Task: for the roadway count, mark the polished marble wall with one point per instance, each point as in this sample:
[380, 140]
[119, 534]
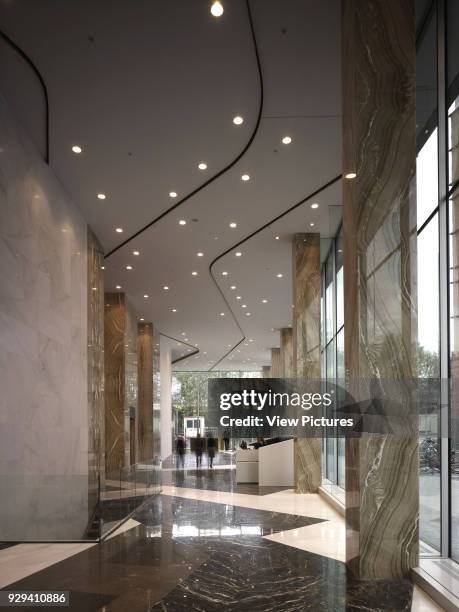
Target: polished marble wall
[96, 415]
[145, 389]
[378, 56]
[43, 347]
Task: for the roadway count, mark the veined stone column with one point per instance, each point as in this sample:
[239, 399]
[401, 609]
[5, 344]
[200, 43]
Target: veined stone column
[145, 390]
[275, 363]
[266, 371]
[286, 352]
[306, 347]
[382, 497]
[120, 357]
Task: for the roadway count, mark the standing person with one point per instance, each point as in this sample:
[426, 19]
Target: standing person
[211, 450]
[199, 447]
[180, 449]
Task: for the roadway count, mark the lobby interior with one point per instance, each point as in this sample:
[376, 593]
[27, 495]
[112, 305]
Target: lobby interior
[245, 189]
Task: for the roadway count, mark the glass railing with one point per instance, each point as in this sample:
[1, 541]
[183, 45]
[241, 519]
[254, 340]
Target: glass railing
[72, 507]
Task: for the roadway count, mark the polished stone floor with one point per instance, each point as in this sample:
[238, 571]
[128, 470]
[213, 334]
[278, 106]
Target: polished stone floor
[194, 548]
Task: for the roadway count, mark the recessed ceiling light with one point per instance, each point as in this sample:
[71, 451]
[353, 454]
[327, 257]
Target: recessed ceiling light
[146, 295]
[118, 286]
[238, 254]
[119, 230]
[186, 340]
[244, 306]
[194, 273]
[101, 196]
[224, 273]
[202, 166]
[222, 314]
[286, 140]
[76, 149]
[217, 9]
[250, 340]
[315, 205]
[248, 314]
[233, 224]
[166, 288]
[277, 237]
[136, 252]
[200, 254]
[172, 194]
[350, 175]
[183, 333]
[233, 287]
[311, 224]
[245, 177]
[128, 267]
[182, 222]
[238, 297]
[103, 267]
[142, 319]
[174, 310]
[279, 275]
[264, 301]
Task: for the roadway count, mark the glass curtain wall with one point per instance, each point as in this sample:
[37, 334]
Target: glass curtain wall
[437, 350]
[332, 349]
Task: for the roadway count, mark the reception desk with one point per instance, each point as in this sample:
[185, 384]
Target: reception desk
[246, 466]
[275, 464]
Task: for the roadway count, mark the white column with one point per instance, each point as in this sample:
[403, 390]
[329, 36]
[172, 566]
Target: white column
[165, 364]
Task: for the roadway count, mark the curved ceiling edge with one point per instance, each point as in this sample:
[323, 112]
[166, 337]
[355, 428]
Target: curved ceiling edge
[194, 352]
[228, 166]
[24, 55]
[254, 233]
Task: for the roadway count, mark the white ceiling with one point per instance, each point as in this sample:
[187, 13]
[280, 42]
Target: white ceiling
[148, 89]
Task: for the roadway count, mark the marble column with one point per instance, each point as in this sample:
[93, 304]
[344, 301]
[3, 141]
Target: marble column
[166, 397]
[306, 305]
[286, 352]
[306, 347]
[382, 497]
[95, 331]
[120, 339]
[145, 390]
[275, 363]
[266, 371]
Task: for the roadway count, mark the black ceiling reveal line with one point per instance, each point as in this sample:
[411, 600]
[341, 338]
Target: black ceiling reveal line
[24, 56]
[195, 350]
[227, 167]
[254, 233]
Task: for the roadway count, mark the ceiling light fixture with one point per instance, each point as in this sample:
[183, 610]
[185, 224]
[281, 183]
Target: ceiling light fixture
[244, 306]
[142, 319]
[200, 254]
[166, 288]
[101, 196]
[136, 253]
[238, 120]
[222, 314]
[202, 166]
[264, 301]
[146, 295]
[238, 254]
[311, 224]
[248, 314]
[182, 222]
[238, 297]
[233, 287]
[118, 286]
[225, 273]
[194, 273]
[315, 205]
[350, 175]
[119, 230]
[128, 267]
[76, 149]
[233, 224]
[174, 310]
[172, 194]
[277, 237]
[217, 9]
[279, 275]
[245, 177]
[286, 140]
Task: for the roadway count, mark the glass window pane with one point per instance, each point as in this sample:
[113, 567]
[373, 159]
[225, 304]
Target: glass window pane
[339, 283]
[329, 306]
[427, 178]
